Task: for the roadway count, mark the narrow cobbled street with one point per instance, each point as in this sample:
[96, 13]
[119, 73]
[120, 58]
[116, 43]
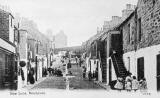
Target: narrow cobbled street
[76, 82]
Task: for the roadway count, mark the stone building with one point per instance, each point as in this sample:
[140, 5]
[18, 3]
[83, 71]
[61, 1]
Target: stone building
[141, 52]
[100, 46]
[8, 69]
[126, 12]
[138, 45]
[140, 39]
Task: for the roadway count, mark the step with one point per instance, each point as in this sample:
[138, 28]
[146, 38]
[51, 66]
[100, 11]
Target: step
[122, 72]
[117, 61]
[104, 66]
[121, 67]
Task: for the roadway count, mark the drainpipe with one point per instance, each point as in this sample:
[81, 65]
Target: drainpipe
[135, 42]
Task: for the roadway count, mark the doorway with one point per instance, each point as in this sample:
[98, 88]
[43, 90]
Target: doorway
[110, 71]
[158, 72]
[140, 68]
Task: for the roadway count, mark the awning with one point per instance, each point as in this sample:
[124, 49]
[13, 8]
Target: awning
[6, 46]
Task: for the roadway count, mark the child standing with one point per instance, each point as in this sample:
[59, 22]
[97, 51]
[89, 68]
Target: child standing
[119, 84]
[143, 85]
[135, 84]
[128, 85]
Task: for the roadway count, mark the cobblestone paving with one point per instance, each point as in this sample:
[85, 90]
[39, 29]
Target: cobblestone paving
[78, 82]
[51, 82]
[75, 83]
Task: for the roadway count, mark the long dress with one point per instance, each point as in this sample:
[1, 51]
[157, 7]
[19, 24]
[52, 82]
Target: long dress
[135, 84]
[128, 85]
[119, 85]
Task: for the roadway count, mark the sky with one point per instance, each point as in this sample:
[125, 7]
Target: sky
[78, 19]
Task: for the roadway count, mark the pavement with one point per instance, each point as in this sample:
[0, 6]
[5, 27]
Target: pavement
[30, 86]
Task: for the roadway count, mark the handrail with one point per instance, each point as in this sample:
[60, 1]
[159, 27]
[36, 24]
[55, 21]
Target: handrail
[116, 63]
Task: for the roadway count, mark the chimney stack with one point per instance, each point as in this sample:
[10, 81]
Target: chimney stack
[129, 9]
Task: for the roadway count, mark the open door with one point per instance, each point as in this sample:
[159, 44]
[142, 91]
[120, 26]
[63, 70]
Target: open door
[158, 72]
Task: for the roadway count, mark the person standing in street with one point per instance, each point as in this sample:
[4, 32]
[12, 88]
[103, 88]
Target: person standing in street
[30, 76]
[128, 85]
[84, 72]
[90, 75]
[76, 61]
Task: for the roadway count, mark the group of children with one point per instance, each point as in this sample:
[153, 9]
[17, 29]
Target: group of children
[131, 83]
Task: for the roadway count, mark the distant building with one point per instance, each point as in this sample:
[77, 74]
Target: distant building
[60, 40]
[49, 34]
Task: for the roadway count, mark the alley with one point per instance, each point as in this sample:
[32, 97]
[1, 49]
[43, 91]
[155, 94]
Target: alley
[76, 82]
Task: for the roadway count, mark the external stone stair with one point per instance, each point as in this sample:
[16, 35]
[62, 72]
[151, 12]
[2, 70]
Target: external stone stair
[118, 64]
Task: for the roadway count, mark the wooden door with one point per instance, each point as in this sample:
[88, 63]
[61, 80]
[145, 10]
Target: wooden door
[140, 68]
[158, 72]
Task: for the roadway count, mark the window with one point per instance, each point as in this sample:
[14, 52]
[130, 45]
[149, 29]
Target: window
[11, 22]
[139, 29]
[129, 35]
[128, 63]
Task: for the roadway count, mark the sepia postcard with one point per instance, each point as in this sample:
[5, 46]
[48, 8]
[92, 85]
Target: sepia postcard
[80, 48]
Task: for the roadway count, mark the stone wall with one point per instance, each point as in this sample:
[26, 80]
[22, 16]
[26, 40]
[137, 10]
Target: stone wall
[129, 45]
[126, 12]
[149, 12]
[110, 24]
[4, 25]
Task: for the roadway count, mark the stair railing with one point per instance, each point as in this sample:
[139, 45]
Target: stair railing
[115, 61]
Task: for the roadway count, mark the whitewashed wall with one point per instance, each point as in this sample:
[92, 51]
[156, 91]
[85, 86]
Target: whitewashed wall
[150, 64]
